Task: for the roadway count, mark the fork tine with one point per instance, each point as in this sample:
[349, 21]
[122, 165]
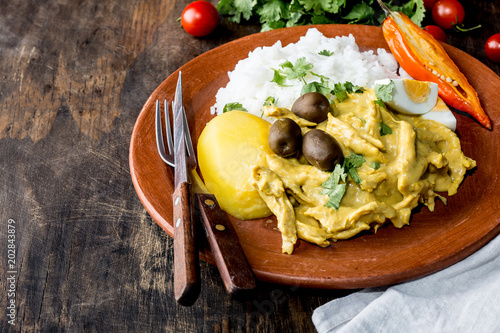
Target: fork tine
[170, 141]
[189, 142]
[167, 158]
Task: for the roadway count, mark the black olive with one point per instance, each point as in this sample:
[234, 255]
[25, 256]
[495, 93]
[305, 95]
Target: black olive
[285, 137]
[321, 150]
[312, 106]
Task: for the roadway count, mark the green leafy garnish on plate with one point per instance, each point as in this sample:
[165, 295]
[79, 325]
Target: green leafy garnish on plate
[333, 188]
[233, 106]
[326, 53]
[291, 71]
[335, 185]
[384, 129]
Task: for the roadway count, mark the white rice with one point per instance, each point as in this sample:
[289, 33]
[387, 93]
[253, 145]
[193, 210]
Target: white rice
[250, 81]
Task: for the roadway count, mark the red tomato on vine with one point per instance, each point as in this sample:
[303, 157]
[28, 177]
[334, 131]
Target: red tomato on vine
[492, 48]
[448, 13]
[200, 18]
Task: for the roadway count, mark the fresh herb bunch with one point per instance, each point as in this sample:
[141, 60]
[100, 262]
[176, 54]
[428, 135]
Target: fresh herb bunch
[273, 14]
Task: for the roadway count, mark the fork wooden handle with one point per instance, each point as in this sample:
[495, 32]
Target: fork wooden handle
[228, 254]
[186, 258]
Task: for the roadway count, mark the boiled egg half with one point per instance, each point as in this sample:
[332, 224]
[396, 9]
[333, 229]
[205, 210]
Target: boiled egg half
[411, 96]
[442, 114]
[415, 97]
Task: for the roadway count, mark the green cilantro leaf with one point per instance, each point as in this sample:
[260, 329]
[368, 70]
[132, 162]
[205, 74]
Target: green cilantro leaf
[291, 71]
[351, 88]
[270, 101]
[326, 53]
[352, 162]
[315, 87]
[340, 91]
[286, 64]
[333, 6]
[297, 70]
[361, 13]
[333, 188]
[322, 77]
[235, 9]
[312, 5]
[279, 78]
[354, 175]
[384, 129]
[272, 11]
[379, 102]
[233, 106]
[415, 10]
[375, 165]
[384, 91]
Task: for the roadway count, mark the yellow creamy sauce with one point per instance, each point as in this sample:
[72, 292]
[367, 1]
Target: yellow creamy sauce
[402, 169]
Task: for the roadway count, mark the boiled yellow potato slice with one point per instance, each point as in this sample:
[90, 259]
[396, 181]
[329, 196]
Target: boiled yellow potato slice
[228, 147]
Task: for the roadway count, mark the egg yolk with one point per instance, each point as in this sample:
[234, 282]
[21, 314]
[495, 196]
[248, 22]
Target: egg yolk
[417, 91]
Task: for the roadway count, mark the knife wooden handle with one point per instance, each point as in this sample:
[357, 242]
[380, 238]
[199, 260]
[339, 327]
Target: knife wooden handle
[229, 257]
[186, 257]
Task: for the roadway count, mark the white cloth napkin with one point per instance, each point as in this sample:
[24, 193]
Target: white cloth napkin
[464, 297]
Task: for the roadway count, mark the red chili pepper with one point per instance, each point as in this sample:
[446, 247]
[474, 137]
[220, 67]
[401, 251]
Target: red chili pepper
[423, 58]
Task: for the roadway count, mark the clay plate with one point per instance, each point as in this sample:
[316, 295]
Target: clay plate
[432, 242]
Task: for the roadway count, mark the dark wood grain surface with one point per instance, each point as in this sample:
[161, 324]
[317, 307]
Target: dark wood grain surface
[73, 78]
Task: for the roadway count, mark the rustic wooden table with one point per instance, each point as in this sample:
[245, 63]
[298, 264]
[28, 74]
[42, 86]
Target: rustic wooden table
[73, 78]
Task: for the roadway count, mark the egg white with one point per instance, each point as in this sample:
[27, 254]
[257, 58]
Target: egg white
[441, 113]
[433, 108]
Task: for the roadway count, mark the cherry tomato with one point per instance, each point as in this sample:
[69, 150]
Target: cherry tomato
[200, 18]
[429, 3]
[446, 12]
[436, 32]
[492, 48]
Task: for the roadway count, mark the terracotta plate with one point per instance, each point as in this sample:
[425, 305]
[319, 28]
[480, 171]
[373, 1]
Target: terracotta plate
[432, 242]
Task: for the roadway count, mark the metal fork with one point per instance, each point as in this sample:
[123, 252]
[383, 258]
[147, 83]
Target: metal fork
[169, 157]
[186, 266]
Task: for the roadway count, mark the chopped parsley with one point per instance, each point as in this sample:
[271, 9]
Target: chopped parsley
[340, 91]
[384, 129]
[379, 102]
[291, 71]
[351, 88]
[375, 165]
[279, 78]
[314, 86]
[384, 93]
[333, 186]
[352, 162]
[327, 87]
[270, 101]
[326, 53]
[233, 106]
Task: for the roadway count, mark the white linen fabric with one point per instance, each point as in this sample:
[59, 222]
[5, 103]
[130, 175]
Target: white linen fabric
[464, 297]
